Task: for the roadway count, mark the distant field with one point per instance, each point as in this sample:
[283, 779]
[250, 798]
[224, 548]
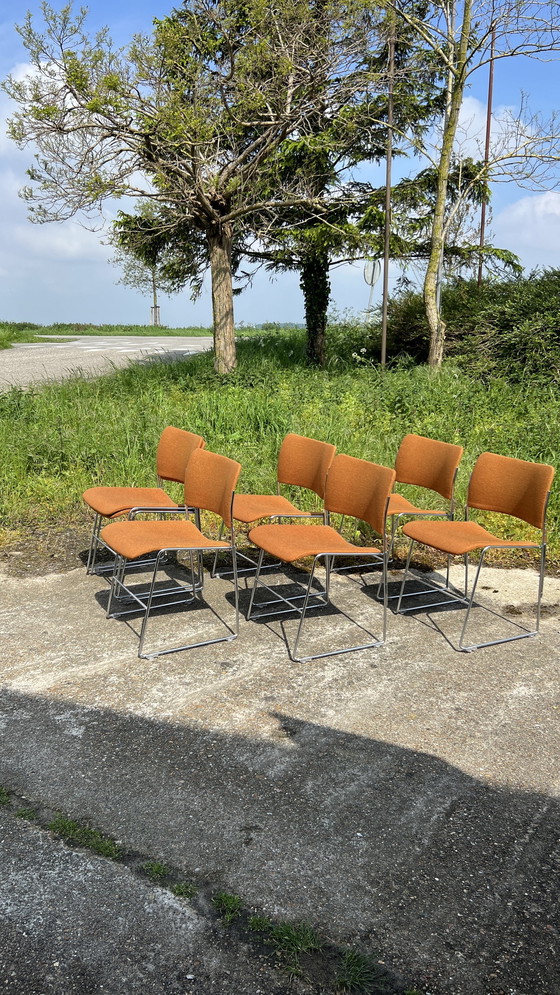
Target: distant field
[21, 331]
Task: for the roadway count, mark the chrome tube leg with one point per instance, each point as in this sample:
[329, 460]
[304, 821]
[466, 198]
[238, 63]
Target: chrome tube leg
[470, 601]
[92, 554]
[304, 608]
[213, 568]
[388, 554]
[112, 586]
[405, 575]
[541, 585]
[466, 575]
[328, 570]
[255, 583]
[191, 563]
[235, 585]
[393, 533]
[119, 574]
[385, 593]
[148, 605]
[448, 569]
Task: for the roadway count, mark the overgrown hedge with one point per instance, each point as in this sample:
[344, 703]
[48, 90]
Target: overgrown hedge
[508, 327]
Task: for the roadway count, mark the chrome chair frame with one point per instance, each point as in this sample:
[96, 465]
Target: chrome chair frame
[97, 542]
[468, 601]
[323, 595]
[145, 601]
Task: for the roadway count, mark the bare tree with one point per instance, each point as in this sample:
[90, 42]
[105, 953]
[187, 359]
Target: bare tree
[459, 36]
[189, 116]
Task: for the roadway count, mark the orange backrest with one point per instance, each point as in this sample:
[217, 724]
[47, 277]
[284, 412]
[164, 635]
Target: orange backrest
[511, 486]
[305, 462]
[174, 451]
[428, 463]
[360, 489]
[210, 481]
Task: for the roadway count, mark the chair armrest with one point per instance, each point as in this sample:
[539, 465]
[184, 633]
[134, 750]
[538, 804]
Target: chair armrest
[166, 510]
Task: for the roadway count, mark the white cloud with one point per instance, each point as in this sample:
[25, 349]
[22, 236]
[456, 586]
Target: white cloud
[531, 226]
[471, 131]
[68, 242]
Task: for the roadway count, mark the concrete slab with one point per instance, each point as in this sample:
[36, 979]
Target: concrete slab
[404, 798]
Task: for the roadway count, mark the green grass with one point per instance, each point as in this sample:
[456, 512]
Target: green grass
[56, 440]
[26, 813]
[289, 941]
[17, 331]
[4, 796]
[155, 870]
[184, 889]
[78, 833]
[228, 907]
[358, 973]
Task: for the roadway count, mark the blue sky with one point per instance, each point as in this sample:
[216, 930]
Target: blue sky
[57, 272]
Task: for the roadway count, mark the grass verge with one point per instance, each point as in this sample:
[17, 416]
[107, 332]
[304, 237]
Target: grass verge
[59, 439]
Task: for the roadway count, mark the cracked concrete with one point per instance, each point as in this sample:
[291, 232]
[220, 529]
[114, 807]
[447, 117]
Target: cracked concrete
[403, 798]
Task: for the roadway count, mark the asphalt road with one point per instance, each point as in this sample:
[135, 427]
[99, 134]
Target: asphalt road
[28, 363]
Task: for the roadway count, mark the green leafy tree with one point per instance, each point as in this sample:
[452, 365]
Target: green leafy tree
[414, 199]
[140, 251]
[188, 117]
[324, 158]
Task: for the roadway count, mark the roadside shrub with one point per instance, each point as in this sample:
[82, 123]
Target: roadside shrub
[508, 327]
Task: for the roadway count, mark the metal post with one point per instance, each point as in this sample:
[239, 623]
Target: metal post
[389, 161]
[487, 149]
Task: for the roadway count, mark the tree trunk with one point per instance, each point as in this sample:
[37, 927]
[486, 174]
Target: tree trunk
[315, 284]
[219, 244]
[455, 98]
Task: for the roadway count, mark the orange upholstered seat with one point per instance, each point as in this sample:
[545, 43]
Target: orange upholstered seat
[209, 485]
[354, 488]
[249, 508]
[110, 502]
[294, 542]
[456, 538]
[138, 538]
[499, 484]
[173, 453]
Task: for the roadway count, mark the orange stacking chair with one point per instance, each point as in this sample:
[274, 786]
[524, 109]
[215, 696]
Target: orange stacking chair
[500, 484]
[210, 480]
[355, 488]
[426, 463]
[173, 453]
[302, 462]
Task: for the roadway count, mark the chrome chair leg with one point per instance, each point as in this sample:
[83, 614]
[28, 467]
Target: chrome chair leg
[148, 606]
[94, 544]
[304, 608]
[405, 574]
[255, 583]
